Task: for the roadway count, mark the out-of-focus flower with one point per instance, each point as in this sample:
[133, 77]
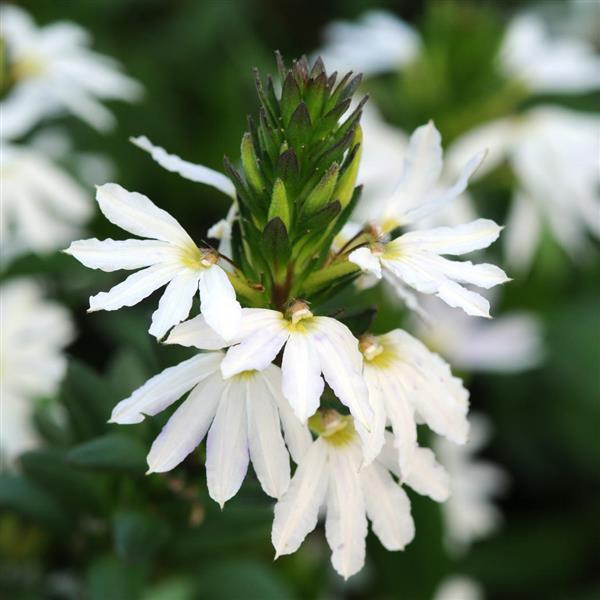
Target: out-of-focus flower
[332, 474]
[469, 513]
[379, 42]
[33, 336]
[42, 207]
[50, 70]
[243, 415]
[167, 256]
[554, 154]
[509, 343]
[459, 587]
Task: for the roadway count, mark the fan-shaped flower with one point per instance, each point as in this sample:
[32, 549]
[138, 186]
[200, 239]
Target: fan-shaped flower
[167, 255]
[242, 418]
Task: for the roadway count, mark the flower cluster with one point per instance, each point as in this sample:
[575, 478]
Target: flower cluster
[276, 375]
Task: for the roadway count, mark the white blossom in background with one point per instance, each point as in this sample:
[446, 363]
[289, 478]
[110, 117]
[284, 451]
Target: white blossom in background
[510, 343]
[52, 70]
[42, 206]
[470, 513]
[331, 474]
[459, 587]
[167, 256]
[242, 418]
[33, 336]
[379, 42]
[554, 153]
[415, 259]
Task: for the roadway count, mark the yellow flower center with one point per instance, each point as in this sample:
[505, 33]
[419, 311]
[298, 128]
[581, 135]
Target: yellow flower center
[376, 352]
[334, 428]
[298, 316]
[192, 257]
[28, 66]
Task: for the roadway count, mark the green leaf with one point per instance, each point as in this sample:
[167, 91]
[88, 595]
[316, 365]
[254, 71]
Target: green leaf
[109, 578]
[279, 203]
[299, 129]
[137, 536]
[321, 219]
[345, 187]
[323, 191]
[276, 243]
[111, 452]
[287, 166]
[250, 164]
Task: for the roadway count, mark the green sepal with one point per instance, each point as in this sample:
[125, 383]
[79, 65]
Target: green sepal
[279, 204]
[321, 219]
[251, 164]
[314, 96]
[323, 191]
[290, 97]
[299, 129]
[347, 180]
[248, 201]
[287, 167]
[276, 243]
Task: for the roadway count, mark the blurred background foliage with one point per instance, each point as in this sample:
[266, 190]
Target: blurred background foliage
[100, 529]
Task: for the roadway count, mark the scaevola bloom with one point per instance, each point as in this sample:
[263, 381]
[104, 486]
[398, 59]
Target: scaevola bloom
[166, 256]
[415, 259]
[407, 385]
[33, 336]
[241, 417]
[42, 206]
[331, 474]
[51, 69]
[314, 346]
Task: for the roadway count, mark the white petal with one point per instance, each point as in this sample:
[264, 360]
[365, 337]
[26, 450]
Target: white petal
[265, 334]
[187, 426]
[482, 275]
[218, 304]
[340, 359]
[112, 255]
[459, 239]
[297, 435]
[523, 229]
[163, 389]
[197, 333]
[427, 477]
[366, 260]
[297, 511]
[388, 507]
[227, 444]
[191, 171]
[176, 302]
[135, 288]
[268, 453]
[372, 440]
[302, 383]
[346, 521]
[137, 214]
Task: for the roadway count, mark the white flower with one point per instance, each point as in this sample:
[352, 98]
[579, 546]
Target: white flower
[243, 416]
[167, 256]
[554, 154]
[33, 336]
[469, 513]
[565, 64]
[52, 70]
[459, 587]
[331, 473]
[42, 207]
[313, 346]
[379, 42]
[509, 343]
[409, 384]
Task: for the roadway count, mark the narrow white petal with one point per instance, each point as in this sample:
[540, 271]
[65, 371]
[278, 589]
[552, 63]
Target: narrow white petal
[346, 521]
[163, 389]
[366, 260]
[302, 384]
[176, 302]
[455, 295]
[268, 453]
[137, 214]
[482, 275]
[197, 333]
[227, 444]
[388, 507]
[191, 171]
[112, 255]
[427, 477]
[523, 229]
[297, 435]
[372, 440]
[218, 304]
[135, 288]
[187, 426]
[297, 511]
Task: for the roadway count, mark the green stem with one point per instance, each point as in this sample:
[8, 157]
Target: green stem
[255, 297]
[328, 274]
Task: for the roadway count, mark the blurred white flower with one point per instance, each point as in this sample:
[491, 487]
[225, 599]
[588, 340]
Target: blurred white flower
[33, 335]
[407, 385]
[459, 587]
[509, 343]
[554, 154]
[52, 70]
[42, 207]
[332, 474]
[167, 256]
[379, 42]
[469, 512]
[243, 416]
